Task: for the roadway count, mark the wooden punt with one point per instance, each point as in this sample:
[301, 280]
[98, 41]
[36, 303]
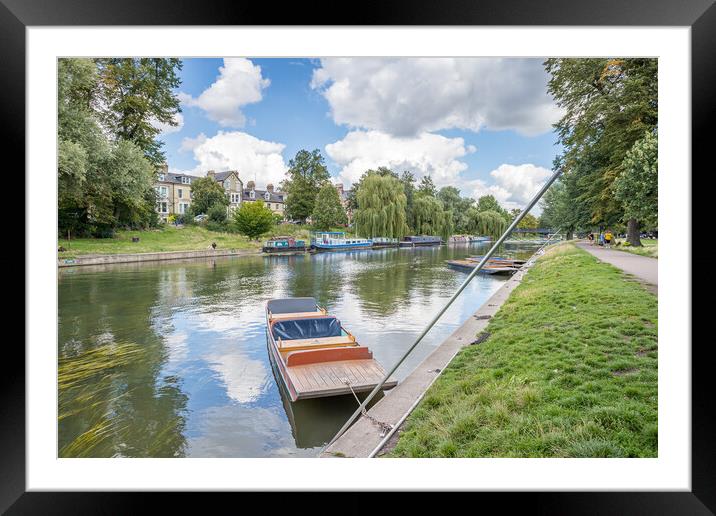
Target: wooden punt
[488, 268]
[315, 356]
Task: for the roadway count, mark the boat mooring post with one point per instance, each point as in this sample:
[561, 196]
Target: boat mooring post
[435, 319]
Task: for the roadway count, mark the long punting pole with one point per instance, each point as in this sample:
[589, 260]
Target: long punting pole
[435, 319]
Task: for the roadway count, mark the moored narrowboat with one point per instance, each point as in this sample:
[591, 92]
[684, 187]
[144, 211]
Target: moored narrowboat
[420, 240]
[380, 242]
[337, 241]
[283, 244]
[315, 355]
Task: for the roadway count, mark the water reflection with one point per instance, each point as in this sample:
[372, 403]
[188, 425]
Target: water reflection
[204, 385]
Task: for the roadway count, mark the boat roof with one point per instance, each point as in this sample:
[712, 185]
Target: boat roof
[291, 304]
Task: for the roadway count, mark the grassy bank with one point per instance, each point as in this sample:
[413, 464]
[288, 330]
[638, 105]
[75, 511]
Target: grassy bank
[650, 247]
[569, 370]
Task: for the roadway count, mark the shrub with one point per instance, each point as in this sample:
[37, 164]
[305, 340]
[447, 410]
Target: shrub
[253, 219]
[217, 213]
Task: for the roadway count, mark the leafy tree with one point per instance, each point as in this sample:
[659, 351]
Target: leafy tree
[489, 203]
[451, 199]
[408, 180]
[382, 202]
[486, 222]
[529, 221]
[637, 186]
[137, 94]
[427, 187]
[563, 209]
[431, 218]
[253, 219]
[102, 183]
[352, 196]
[307, 173]
[217, 213]
[328, 210]
[608, 105]
[206, 192]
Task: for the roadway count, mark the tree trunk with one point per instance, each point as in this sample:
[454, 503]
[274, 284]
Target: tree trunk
[569, 235]
[633, 233]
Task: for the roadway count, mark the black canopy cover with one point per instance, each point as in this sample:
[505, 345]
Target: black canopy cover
[312, 328]
[292, 304]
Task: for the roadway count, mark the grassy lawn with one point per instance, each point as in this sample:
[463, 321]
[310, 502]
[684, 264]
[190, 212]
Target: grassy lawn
[569, 370]
[650, 247]
[169, 238]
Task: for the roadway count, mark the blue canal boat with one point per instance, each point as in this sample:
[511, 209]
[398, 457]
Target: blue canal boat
[284, 244]
[337, 241]
[380, 242]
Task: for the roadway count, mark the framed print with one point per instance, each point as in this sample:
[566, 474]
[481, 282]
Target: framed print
[415, 249]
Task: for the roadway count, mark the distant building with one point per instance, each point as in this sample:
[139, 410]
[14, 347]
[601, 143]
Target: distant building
[174, 193]
[274, 200]
[343, 194]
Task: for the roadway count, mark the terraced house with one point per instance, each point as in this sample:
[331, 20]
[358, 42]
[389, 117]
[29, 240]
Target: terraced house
[274, 200]
[174, 190]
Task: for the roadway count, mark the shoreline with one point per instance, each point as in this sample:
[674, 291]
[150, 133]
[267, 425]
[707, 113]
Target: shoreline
[363, 439]
[109, 259]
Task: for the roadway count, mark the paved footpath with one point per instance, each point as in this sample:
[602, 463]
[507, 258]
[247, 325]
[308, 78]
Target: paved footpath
[644, 268]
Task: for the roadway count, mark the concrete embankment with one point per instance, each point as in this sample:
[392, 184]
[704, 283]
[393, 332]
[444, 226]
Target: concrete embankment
[107, 259]
[364, 437]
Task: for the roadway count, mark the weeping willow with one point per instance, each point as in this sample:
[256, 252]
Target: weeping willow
[381, 208]
[431, 218]
[488, 222]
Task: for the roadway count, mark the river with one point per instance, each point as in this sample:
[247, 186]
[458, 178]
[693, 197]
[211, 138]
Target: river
[201, 383]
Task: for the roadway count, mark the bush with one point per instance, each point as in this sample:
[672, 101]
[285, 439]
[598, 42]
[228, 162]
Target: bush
[217, 213]
[253, 219]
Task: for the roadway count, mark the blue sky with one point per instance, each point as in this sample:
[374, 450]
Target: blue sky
[483, 125]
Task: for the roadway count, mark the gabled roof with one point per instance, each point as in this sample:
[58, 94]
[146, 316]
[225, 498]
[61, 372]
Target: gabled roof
[260, 194]
[220, 176]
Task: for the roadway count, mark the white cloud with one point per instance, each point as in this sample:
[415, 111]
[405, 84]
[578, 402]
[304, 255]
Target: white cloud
[239, 83]
[424, 154]
[165, 128]
[234, 150]
[514, 185]
[408, 96]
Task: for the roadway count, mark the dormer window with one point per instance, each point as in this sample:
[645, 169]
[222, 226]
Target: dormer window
[161, 177]
[252, 194]
[185, 180]
[267, 196]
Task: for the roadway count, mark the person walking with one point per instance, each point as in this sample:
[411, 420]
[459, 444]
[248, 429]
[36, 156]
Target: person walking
[608, 238]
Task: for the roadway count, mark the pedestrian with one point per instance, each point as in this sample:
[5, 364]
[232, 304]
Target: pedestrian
[590, 237]
[608, 237]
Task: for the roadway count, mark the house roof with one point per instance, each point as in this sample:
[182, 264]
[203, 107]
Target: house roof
[260, 194]
[176, 178]
[220, 176]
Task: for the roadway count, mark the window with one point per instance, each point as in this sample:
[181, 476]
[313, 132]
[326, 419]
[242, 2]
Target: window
[267, 196]
[182, 207]
[235, 198]
[161, 191]
[185, 180]
[161, 177]
[179, 192]
[162, 207]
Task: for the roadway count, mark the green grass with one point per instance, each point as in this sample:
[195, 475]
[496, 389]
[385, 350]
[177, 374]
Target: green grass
[569, 370]
[650, 247]
[168, 238]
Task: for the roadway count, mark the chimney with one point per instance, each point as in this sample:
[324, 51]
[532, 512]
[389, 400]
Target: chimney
[269, 187]
[211, 173]
[339, 187]
[164, 168]
[251, 185]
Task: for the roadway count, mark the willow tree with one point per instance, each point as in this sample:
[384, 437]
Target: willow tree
[431, 218]
[381, 207]
[488, 222]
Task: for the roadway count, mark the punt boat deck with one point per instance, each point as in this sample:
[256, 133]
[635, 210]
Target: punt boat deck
[315, 356]
[490, 267]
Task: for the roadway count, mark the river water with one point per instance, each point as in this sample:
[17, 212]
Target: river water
[202, 384]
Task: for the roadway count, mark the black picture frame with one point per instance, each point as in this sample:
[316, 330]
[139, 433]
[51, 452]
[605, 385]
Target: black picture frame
[700, 15]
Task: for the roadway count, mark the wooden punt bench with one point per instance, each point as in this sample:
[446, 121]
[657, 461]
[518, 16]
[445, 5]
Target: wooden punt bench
[295, 315]
[317, 343]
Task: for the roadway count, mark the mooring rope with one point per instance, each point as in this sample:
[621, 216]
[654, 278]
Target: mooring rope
[475, 271]
[384, 427]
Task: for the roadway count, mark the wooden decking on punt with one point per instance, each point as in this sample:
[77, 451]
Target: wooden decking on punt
[326, 378]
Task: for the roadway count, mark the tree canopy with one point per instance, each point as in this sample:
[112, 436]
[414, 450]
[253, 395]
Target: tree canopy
[430, 218]
[307, 173]
[253, 219]
[382, 202]
[205, 193]
[637, 187]
[328, 210]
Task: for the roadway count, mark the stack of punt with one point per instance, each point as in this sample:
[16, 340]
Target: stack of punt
[315, 355]
[492, 266]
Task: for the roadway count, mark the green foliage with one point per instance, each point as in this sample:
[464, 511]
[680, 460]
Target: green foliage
[328, 210]
[489, 203]
[561, 208]
[382, 206]
[487, 222]
[529, 221]
[353, 194]
[427, 187]
[569, 370]
[207, 192]
[137, 94]
[104, 179]
[307, 173]
[430, 218]
[217, 213]
[408, 180]
[253, 219]
[637, 186]
[459, 206]
[608, 105]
